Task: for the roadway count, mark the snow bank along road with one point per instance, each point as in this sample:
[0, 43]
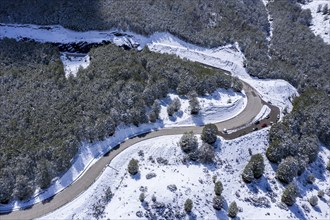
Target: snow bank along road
[242, 124]
[244, 120]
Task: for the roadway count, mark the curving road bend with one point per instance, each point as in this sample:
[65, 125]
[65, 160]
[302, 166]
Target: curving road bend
[241, 123]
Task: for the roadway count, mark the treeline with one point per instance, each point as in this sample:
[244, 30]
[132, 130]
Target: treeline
[303, 59]
[44, 116]
[210, 23]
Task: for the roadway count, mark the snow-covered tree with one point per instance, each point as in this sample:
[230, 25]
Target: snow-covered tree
[209, 133]
[188, 142]
[290, 194]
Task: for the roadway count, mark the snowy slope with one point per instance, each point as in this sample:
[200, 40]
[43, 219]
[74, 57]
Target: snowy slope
[219, 106]
[194, 181]
[320, 22]
[230, 58]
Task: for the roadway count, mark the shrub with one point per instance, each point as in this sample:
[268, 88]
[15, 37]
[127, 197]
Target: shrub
[232, 210]
[153, 198]
[290, 194]
[218, 188]
[142, 197]
[133, 166]
[320, 193]
[188, 142]
[194, 105]
[313, 200]
[206, 153]
[152, 117]
[107, 195]
[247, 174]
[310, 179]
[254, 169]
[209, 133]
[170, 110]
[218, 202]
[188, 205]
[176, 104]
[287, 170]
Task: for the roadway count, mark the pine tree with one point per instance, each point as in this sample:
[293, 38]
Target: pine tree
[232, 210]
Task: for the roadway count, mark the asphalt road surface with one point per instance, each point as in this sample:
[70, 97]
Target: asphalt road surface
[242, 123]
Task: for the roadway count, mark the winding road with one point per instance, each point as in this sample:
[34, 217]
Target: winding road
[242, 123]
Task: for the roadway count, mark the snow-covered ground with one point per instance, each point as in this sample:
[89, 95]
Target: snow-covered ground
[194, 181]
[72, 63]
[219, 106]
[320, 22]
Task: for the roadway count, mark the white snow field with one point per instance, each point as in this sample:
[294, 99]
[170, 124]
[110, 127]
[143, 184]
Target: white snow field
[320, 22]
[219, 106]
[72, 63]
[194, 181]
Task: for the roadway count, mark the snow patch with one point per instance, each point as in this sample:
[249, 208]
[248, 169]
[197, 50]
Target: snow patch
[219, 106]
[320, 22]
[264, 112]
[73, 62]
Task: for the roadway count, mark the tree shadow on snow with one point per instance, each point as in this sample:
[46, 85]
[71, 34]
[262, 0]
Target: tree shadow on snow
[198, 119]
[296, 210]
[136, 176]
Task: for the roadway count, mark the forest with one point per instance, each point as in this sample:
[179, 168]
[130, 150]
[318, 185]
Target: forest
[38, 99]
[44, 117]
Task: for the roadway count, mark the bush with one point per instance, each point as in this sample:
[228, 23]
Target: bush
[313, 200]
[287, 170]
[218, 202]
[194, 105]
[310, 179]
[320, 193]
[176, 104]
[290, 194]
[133, 167]
[188, 205]
[247, 174]
[188, 142]
[254, 169]
[142, 197]
[206, 153]
[170, 110]
[218, 188]
[232, 210]
[209, 133]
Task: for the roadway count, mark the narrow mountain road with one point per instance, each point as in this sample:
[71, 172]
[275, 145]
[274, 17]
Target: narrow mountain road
[241, 123]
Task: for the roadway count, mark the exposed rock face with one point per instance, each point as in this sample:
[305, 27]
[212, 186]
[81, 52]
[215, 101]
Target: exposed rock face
[121, 40]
